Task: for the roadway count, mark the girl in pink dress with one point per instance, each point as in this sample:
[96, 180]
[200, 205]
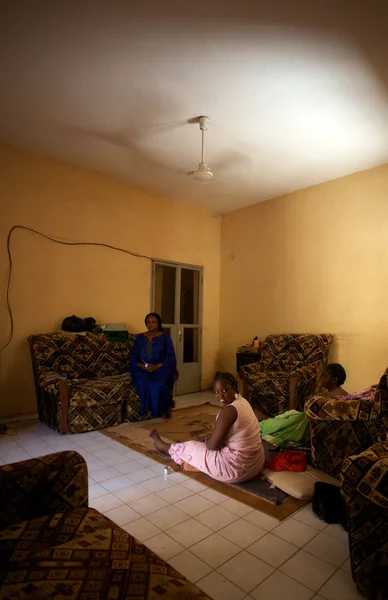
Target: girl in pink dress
[234, 451]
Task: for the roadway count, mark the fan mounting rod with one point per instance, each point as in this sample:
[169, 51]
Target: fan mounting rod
[203, 173]
[203, 123]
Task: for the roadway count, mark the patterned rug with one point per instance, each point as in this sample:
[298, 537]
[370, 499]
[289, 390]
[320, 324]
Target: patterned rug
[191, 423]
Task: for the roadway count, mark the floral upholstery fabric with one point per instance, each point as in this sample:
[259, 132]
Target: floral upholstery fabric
[341, 428]
[67, 550]
[283, 357]
[31, 488]
[82, 382]
[95, 403]
[365, 490]
[80, 356]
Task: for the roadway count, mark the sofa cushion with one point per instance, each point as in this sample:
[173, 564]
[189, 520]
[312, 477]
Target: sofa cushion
[287, 351]
[94, 403]
[82, 554]
[365, 490]
[100, 391]
[298, 485]
[101, 403]
[80, 356]
[52, 483]
[341, 428]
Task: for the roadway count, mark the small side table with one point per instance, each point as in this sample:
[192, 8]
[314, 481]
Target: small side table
[247, 356]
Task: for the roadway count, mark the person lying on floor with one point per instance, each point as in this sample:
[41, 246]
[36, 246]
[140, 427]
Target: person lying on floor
[292, 427]
[334, 377]
[234, 451]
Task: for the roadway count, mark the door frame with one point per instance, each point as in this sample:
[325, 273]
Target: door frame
[173, 326]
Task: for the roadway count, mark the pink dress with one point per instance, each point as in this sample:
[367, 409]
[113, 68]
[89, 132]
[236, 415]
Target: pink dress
[367, 394]
[241, 458]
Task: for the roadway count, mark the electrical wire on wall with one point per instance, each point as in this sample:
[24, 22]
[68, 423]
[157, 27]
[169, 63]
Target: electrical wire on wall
[51, 239]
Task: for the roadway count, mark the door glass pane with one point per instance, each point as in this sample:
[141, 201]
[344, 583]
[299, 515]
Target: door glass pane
[165, 292]
[189, 296]
[167, 330]
[190, 344]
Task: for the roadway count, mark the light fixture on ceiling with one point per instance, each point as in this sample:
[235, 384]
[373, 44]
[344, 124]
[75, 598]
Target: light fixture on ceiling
[203, 174]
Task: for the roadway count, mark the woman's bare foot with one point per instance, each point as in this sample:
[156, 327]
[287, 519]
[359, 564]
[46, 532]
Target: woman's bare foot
[168, 414]
[158, 442]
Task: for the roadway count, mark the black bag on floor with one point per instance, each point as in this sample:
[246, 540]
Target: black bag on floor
[329, 505]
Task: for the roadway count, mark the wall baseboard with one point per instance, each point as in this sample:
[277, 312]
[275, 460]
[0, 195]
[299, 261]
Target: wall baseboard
[18, 418]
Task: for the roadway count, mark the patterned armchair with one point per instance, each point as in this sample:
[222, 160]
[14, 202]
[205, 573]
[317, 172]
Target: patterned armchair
[52, 545]
[82, 382]
[341, 428]
[301, 357]
[365, 490]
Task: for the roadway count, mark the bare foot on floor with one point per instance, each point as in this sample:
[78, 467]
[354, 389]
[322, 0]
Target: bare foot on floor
[168, 414]
[158, 442]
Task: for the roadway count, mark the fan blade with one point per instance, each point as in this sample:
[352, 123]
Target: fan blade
[120, 138]
[162, 127]
[232, 160]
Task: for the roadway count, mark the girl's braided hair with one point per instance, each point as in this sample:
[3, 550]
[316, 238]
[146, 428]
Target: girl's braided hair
[227, 377]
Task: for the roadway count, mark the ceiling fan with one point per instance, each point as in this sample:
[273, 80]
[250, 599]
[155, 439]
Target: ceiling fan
[203, 174]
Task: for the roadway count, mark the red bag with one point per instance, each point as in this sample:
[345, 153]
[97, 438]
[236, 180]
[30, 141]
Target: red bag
[289, 460]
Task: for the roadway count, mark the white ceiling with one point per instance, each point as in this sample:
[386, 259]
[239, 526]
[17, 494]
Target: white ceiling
[296, 94]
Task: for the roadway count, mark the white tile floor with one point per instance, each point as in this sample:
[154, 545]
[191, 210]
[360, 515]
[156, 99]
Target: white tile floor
[229, 550]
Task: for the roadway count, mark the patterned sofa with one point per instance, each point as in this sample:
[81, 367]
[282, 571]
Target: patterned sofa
[82, 382]
[341, 428]
[365, 490]
[284, 357]
[52, 545]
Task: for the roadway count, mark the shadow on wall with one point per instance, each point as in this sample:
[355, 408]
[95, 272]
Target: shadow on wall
[17, 381]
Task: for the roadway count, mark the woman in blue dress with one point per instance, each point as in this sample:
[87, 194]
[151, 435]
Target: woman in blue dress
[153, 368]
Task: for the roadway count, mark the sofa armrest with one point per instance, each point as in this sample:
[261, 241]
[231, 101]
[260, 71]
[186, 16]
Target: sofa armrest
[364, 477]
[32, 488]
[256, 370]
[304, 375]
[51, 381]
[252, 369]
[59, 388]
[303, 384]
[319, 408]
[381, 397]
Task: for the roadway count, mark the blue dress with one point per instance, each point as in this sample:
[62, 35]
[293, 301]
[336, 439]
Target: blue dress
[155, 389]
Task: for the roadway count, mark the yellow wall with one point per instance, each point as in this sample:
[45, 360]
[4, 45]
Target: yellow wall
[50, 281]
[312, 261]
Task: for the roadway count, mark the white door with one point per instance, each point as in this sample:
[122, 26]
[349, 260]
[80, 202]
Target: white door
[177, 297]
